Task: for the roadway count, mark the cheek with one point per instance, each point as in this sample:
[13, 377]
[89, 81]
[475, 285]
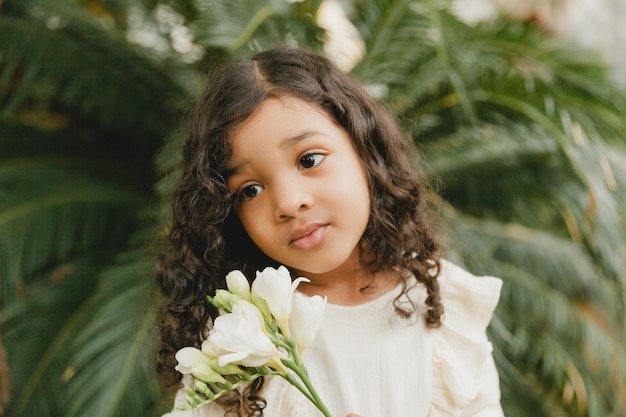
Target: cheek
[360, 185]
[251, 223]
[243, 218]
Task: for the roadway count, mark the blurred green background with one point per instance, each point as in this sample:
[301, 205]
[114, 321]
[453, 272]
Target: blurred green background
[525, 133]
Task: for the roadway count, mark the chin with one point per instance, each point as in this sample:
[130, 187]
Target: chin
[318, 268]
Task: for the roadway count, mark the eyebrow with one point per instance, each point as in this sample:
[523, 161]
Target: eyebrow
[229, 172]
[289, 142]
[292, 141]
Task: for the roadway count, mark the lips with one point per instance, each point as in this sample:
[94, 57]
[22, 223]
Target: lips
[308, 236]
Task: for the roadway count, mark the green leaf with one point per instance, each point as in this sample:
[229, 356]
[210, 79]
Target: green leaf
[50, 210]
[53, 55]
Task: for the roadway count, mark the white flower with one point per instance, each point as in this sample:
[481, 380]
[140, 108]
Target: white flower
[238, 284]
[275, 288]
[306, 317]
[193, 361]
[239, 338]
[208, 348]
[262, 330]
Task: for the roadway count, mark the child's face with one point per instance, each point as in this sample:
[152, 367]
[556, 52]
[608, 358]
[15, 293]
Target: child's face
[301, 189]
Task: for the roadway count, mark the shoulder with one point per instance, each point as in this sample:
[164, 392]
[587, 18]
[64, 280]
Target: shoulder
[468, 300]
[465, 379]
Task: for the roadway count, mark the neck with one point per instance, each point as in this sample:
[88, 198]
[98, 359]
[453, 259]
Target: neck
[349, 285]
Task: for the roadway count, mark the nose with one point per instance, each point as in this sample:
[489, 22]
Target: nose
[291, 200]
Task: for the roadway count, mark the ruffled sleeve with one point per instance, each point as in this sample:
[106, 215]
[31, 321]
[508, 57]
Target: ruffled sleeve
[465, 379]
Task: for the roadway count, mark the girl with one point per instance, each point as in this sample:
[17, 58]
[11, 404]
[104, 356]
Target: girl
[289, 162]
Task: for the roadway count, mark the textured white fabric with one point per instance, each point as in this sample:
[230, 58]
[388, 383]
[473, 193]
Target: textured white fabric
[369, 361]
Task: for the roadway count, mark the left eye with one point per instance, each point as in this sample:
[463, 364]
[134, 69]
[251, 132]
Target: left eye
[310, 160]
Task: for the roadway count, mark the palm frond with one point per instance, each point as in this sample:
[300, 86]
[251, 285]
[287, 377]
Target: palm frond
[111, 354]
[52, 210]
[558, 324]
[237, 27]
[489, 148]
[96, 75]
[101, 362]
[389, 29]
[34, 342]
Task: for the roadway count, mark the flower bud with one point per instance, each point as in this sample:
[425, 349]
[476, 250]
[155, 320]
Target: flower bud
[193, 361]
[306, 318]
[273, 289]
[204, 372]
[224, 300]
[261, 304]
[228, 369]
[201, 386]
[187, 358]
[238, 284]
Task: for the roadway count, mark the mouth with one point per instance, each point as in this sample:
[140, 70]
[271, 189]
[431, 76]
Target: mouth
[308, 236]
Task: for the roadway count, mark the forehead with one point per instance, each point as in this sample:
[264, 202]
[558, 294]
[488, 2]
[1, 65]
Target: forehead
[281, 116]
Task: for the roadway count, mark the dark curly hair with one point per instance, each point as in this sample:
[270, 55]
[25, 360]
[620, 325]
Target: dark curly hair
[206, 239]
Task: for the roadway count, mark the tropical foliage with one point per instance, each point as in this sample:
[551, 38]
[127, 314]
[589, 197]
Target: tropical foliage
[524, 132]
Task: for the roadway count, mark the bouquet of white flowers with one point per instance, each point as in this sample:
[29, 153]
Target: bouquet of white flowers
[263, 330]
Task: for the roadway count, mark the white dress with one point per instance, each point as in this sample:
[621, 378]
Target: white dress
[369, 361]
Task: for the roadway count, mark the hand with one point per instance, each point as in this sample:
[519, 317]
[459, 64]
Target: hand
[353, 415]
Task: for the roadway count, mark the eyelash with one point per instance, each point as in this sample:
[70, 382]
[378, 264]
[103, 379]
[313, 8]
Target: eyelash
[308, 155]
[241, 195]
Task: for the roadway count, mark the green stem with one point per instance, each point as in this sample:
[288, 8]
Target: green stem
[296, 383]
[308, 390]
[216, 391]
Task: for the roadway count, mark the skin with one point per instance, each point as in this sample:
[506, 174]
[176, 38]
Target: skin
[303, 198]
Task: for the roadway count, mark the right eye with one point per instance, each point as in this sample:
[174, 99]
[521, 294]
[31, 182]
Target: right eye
[249, 191]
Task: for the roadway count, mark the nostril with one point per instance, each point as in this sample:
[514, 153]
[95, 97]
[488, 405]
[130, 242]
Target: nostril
[290, 200]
